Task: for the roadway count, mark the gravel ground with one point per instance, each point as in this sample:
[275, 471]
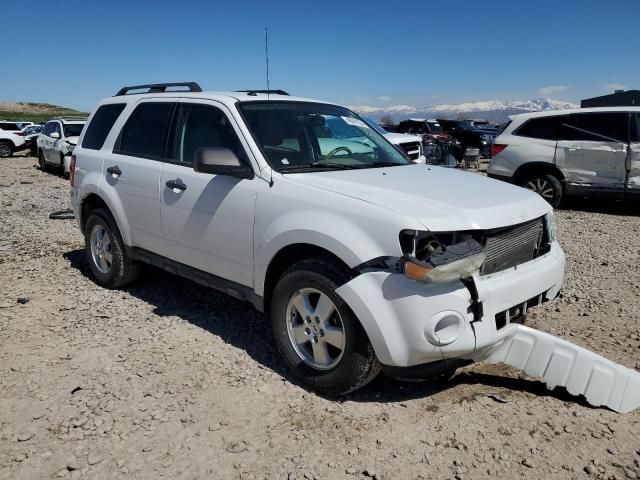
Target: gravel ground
[170, 379]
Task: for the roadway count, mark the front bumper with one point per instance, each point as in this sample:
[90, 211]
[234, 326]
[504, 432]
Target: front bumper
[411, 323]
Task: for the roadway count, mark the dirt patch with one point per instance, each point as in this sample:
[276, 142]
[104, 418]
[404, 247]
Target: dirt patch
[170, 379]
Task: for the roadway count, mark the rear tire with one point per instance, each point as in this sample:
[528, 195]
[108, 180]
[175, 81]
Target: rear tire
[41, 161]
[110, 265]
[546, 185]
[6, 149]
[331, 370]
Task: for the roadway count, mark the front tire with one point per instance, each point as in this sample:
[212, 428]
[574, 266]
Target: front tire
[318, 337]
[547, 186]
[110, 265]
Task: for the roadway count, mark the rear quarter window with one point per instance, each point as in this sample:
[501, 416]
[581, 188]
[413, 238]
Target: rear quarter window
[545, 128]
[101, 125]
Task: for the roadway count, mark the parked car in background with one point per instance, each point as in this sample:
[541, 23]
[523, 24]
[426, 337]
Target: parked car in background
[10, 143]
[361, 259]
[428, 129]
[587, 151]
[469, 136]
[57, 140]
[31, 133]
[410, 145]
[13, 127]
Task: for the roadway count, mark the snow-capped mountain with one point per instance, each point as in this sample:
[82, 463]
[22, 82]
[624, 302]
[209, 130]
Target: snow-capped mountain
[492, 110]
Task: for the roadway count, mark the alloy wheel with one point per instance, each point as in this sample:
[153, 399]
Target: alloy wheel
[542, 187]
[5, 150]
[101, 252]
[315, 329]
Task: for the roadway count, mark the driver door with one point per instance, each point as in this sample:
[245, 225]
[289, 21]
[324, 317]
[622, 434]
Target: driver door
[207, 219]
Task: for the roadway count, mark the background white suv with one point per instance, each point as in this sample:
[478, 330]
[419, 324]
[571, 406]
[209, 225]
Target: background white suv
[362, 259]
[588, 151]
[57, 140]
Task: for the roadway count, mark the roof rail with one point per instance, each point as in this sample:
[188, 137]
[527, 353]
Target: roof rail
[70, 117]
[158, 88]
[255, 92]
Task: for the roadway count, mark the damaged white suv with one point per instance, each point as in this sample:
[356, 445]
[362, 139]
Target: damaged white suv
[362, 260]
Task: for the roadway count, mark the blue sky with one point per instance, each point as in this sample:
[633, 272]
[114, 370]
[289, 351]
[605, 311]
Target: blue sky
[75, 52]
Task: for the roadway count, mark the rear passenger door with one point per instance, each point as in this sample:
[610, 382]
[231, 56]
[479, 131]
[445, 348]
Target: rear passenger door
[592, 151]
[633, 159]
[132, 172]
[208, 221]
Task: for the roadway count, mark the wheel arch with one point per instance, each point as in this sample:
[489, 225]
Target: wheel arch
[288, 256]
[523, 171]
[92, 201]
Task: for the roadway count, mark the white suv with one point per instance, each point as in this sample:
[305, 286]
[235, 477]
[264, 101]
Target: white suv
[10, 143]
[587, 151]
[361, 259]
[57, 140]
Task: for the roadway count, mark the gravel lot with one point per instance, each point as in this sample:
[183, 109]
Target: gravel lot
[170, 379]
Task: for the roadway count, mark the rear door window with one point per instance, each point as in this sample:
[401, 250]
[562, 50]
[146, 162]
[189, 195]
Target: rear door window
[596, 127]
[101, 124]
[145, 132]
[545, 128]
[635, 127]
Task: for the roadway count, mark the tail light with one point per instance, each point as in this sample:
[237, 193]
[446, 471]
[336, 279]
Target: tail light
[496, 148]
[72, 170]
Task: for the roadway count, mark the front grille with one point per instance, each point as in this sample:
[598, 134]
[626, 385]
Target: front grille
[411, 149]
[513, 246]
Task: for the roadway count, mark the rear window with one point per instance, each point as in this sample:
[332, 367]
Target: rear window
[101, 124]
[9, 126]
[545, 128]
[596, 127]
[145, 133]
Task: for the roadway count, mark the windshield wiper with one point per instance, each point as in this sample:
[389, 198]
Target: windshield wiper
[317, 165]
[385, 164]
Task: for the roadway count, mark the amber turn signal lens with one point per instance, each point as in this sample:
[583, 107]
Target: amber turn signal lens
[416, 272]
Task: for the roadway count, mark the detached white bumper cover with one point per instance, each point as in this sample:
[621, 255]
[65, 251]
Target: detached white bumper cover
[560, 363]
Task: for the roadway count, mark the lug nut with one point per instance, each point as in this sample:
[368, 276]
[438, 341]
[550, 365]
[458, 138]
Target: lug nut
[321, 333]
[316, 319]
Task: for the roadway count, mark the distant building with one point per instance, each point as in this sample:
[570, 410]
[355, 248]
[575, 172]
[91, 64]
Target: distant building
[621, 98]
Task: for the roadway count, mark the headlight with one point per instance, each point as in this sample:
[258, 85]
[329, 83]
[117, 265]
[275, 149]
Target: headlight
[441, 257]
[552, 229]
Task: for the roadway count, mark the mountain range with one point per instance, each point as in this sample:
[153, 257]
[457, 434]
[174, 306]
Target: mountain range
[492, 110]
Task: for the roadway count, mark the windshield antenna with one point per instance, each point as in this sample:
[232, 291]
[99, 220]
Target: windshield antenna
[266, 55]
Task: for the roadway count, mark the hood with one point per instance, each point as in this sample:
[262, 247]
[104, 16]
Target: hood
[442, 199]
[398, 138]
[72, 140]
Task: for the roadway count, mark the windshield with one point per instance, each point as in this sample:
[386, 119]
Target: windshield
[375, 126]
[301, 136]
[73, 129]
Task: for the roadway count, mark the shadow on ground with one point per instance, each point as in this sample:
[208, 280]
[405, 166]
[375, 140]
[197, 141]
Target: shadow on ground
[240, 325]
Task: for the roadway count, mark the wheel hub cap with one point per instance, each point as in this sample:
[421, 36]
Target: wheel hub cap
[315, 329]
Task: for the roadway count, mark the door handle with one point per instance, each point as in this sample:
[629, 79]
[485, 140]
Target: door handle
[176, 184]
[114, 171]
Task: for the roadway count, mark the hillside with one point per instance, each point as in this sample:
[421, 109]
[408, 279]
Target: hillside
[33, 112]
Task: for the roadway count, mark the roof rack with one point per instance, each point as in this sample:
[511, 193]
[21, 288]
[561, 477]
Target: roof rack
[255, 92]
[158, 88]
[70, 117]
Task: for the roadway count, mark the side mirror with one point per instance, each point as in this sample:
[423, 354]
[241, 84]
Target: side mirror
[220, 161]
[54, 135]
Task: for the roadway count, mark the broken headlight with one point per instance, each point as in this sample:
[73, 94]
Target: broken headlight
[439, 257]
[552, 229]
